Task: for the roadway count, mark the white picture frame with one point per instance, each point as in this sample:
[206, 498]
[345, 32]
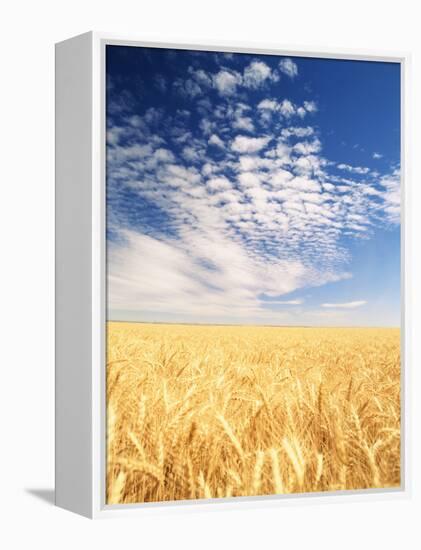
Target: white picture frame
[81, 280]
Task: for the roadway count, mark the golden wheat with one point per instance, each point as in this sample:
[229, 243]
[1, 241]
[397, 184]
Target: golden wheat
[211, 411]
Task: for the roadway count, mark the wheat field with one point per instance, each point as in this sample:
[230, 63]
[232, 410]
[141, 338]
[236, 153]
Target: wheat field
[220, 411]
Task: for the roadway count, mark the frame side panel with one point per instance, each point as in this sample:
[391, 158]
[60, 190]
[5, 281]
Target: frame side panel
[73, 81]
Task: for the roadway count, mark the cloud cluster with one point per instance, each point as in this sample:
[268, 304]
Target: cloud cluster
[207, 275]
[226, 81]
[285, 108]
[225, 216]
[391, 183]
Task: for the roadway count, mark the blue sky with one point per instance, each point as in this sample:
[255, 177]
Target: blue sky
[252, 189]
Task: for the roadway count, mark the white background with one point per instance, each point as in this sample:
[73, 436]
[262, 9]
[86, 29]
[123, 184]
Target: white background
[28, 32]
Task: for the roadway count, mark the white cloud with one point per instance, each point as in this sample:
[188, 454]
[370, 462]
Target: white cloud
[297, 131]
[288, 67]
[113, 135]
[305, 184]
[163, 155]
[310, 106]
[207, 126]
[249, 179]
[307, 147]
[392, 196]
[226, 82]
[269, 104]
[377, 156]
[187, 88]
[286, 108]
[219, 184]
[255, 74]
[243, 123]
[204, 275]
[244, 144]
[354, 169]
[201, 76]
[190, 154]
[216, 140]
[249, 162]
[283, 153]
[301, 112]
[346, 305]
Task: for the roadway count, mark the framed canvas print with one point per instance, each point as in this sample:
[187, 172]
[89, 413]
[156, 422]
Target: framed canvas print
[230, 275]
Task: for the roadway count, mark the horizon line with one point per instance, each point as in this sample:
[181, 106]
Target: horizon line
[247, 324]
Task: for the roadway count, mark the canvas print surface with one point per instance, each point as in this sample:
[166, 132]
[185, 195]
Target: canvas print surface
[253, 274]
